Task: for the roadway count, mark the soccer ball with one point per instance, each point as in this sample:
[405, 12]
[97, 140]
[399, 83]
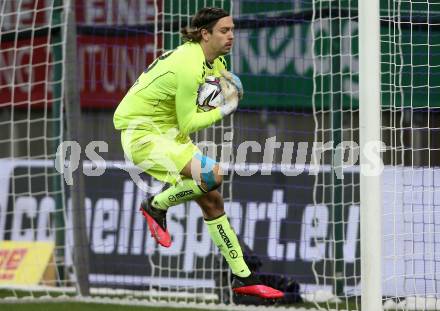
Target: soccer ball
[209, 95]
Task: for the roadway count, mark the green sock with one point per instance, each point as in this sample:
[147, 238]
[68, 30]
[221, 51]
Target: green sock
[184, 191]
[225, 238]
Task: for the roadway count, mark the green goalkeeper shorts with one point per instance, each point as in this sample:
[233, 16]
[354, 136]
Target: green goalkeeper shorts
[161, 156]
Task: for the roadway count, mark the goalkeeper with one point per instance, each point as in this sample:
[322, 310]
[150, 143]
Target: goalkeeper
[156, 117]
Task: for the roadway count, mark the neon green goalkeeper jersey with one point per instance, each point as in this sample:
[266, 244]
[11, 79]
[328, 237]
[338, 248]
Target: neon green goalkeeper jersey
[165, 94]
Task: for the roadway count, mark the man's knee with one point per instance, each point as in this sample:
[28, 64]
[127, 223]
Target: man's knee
[210, 175]
[218, 176]
[212, 178]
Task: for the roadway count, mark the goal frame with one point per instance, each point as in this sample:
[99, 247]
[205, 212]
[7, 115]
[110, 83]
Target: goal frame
[369, 134]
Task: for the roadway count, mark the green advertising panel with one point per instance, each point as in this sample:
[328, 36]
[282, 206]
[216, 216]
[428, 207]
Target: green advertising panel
[286, 62]
[274, 56]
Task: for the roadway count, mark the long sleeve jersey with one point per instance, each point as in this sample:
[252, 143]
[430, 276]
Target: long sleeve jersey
[165, 94]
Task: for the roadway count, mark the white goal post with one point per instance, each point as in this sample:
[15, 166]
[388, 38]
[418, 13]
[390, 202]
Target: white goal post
[369, 134]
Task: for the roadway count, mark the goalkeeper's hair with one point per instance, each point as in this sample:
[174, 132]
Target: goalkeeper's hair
[205, 18]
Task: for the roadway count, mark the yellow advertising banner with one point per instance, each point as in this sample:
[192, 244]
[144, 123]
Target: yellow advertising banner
[24, 263]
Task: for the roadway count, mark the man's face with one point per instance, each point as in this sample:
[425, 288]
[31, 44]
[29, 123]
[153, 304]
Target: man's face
[222, 36]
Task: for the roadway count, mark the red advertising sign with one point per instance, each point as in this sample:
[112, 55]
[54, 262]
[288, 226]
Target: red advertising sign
[120, 12]
[107, 63]
[108, 66]
[25, 69]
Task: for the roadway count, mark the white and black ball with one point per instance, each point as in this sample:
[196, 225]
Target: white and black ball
[210, 94]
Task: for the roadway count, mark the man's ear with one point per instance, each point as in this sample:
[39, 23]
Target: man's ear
[204, 33]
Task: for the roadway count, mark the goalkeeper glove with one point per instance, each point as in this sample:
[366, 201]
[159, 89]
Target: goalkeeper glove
[232, 91]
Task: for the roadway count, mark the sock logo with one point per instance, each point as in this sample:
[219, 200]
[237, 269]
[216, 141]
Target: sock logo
[224, 236]
[184, 193]
[233, 254]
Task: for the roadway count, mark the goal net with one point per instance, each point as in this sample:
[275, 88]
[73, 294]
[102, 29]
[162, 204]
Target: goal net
[32, 200]
[409, 41]
[292, 192]
[410, 110]
[45, 89]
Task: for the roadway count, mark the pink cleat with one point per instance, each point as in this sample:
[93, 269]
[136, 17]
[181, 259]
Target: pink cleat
[157, 222]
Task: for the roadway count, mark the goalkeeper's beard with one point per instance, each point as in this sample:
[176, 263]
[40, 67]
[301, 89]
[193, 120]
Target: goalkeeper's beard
[226, 51]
